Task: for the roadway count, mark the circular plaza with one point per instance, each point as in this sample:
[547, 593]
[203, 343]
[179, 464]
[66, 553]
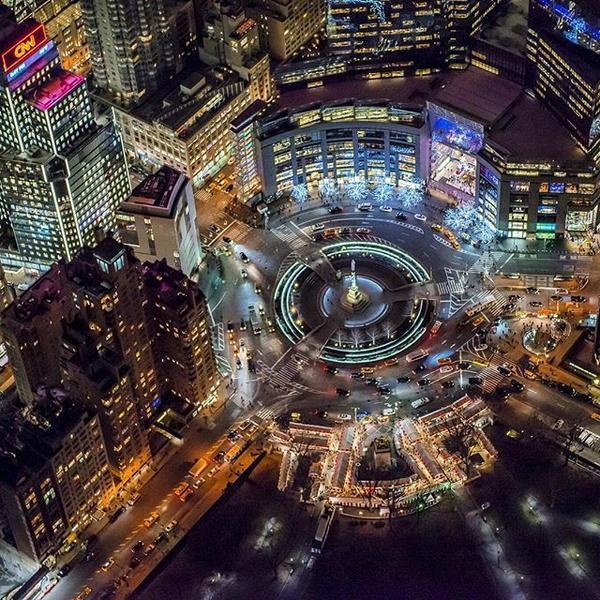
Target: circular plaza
[365, 300]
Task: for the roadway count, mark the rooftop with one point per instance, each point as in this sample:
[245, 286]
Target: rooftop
[509, 28]
[54, 90]
[157, 194]
[500, 105]
[171, 287]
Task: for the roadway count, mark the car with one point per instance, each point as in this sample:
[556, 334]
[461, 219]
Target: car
[384, 390]
[134, 562]
[139, 545]
[229, 188]
[513, 433]
[220, 456]
[517, 386]
[227, 240]
[243, 325]
[371, 380]
[149, 549]
[556, 298]
[480, 347]
[419, 369]
[464, 365]
[420, 217]
[135, 496]
[532, 290]
[365, 207]
[385, 208]
[334, 210]
[423, 382]
[117, 514]
[486, 505]
[437, 227]
[151, 519]
[448, 384]
[344, 417]
[331, 370]
[480, 320]
[322, 414]
[342, 392]
[244, 273]
[400, 216]
[595, 416]
[444, 361]
[107, 564]
[261, 310]
[84, 593]
[447, 369]
[504, 371]
[475, 381]
[161, 537]
[214, 227]
[244, 258]
[363, 230]
[367, 370]
[171, 525]
[198, 482]
[578, 299]
[181, 488]
[258, 288]
[536, 304]
[558, 424]
[189, 492]
[403, 379]
[357, 375]
[503, 391]
[318, 227]
[64, 570]
[567, 390]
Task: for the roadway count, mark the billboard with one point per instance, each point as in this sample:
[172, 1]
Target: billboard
[24, 47]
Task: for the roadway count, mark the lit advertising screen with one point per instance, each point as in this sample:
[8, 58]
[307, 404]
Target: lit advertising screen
[458, 136]
[24, 48]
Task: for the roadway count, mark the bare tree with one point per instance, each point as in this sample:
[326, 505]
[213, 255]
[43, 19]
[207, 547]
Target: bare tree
[460, 442]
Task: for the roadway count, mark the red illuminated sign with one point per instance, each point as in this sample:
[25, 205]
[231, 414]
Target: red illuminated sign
[24, 48]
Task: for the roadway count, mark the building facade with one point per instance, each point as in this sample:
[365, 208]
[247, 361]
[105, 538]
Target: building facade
[159, 221]
[471, 136]
[131, 46]
[54, 472]
[62, 173]
[179, 321]
[286, 25]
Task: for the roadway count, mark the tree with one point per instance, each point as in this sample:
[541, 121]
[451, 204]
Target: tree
[328, 190]
[299, 193]
[383, 192]
[482, 232]
[409, 197]
[460, 442]
[357, 190]
[462, 217]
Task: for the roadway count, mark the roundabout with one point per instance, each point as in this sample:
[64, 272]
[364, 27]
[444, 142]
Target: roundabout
[362, 300]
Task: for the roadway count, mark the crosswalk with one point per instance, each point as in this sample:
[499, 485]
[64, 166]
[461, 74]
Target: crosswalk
[492, 302]
[223, 365]
[294, 239]
[218, 337]
[264, 414]
[492, 377]
[450, 287]
[281, 378]
[487, 262]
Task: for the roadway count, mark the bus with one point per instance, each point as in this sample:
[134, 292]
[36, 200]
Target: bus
[416, 355]
[435, 327]
[325, 520]
[198, 467]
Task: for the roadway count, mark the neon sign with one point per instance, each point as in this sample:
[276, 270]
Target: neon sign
[24, 48]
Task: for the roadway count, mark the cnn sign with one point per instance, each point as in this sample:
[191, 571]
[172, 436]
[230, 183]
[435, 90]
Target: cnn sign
[24, 48]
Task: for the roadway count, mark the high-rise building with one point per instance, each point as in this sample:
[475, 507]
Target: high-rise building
[286, 25]
[54, 471]
[158, 220]
[117, 334]
[564, 50]
[131, 46]
[179, 320]
[62, 173]
[64, 25]
[186, 125]
[405, 37]
[101, 380]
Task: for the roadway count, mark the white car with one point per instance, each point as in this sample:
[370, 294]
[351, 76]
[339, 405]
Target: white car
[318, 227]
[365, 206]
[447, 369]
[171, 526]
[364, 230]
[420, 217]
[481, 347]
[345, 417]
[386, 209]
